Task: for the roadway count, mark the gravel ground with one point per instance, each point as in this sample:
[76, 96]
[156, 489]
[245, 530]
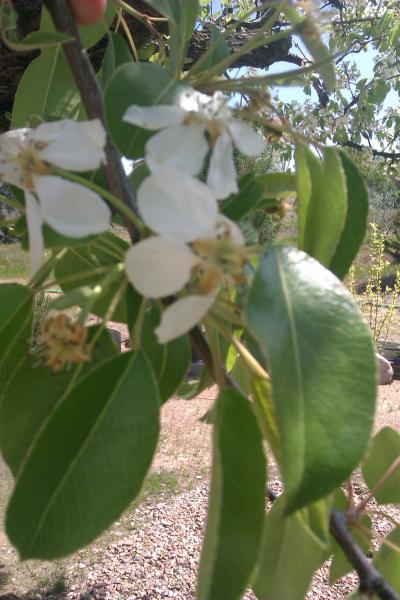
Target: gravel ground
[153, 553]
[160, 560]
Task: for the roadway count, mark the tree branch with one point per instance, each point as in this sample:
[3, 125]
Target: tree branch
[389, 155]
[370, 578]
[92, 99]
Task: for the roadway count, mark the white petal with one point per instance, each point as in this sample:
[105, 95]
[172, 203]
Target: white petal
[176, 206]
[221, 175]
[182, 316]
[11, 144]
[35, 222]
[76, 146]
[154, 117]
[183, 147]
[158, 267]
[245, 138]
[70, 208]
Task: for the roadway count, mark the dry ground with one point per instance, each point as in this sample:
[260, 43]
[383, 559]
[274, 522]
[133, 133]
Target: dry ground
[152, 551]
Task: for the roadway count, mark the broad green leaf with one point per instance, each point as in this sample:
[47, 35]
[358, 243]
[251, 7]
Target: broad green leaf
[46, 88]
[192, 388]
[278, 185]
[89, 461]
[387, 560]
[384, 454]
[340, 566]
[169, 361]
[144, 84]
[236, 504]
[31, 391]
[304, 186]
[327, 209]
[16, 303]
[265, 411]
[290, 555]
[246, 201]
[321, 361]
[118, 53]
[355, 226]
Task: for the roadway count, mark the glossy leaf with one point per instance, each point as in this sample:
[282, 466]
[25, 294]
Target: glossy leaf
[89, 461]
[31, 391]
[145, 84]
[290, 555]
[355, 226]
[320, 357]
[118, 53]
[384, 454]
[327, 209]
[16, 303]
[236, 505]
[246, 201]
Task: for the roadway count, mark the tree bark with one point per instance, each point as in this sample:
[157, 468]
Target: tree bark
[13, 65]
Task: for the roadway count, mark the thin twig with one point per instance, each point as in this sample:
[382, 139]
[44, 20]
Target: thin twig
[92, 99]
[370, 579]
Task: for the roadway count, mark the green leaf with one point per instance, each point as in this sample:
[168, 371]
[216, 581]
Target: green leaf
[321, 361]
[31, 391]
[118, 53]
[340, 566]
[290, 555]
[384, 453]
[327, 209]
[304, 186]
[278, 185]
[246, 201]
[46, 88]
[144, 84]
[236, 505]
[356, 223]
[89, 461]
[387, 560]
[16, 303]
[182, 16]
[169, 361]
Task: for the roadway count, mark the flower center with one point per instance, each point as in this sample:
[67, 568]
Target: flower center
[222, 259]
[31, 163]
[64, 342]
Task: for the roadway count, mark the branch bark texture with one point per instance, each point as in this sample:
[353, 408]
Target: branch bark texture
[92, 98]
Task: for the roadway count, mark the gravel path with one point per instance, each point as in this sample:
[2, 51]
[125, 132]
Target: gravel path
[160, 559]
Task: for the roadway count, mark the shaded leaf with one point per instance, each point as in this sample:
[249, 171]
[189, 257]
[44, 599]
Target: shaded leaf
[387, 560]
[236, 505]
[290, 555]
[355, 226]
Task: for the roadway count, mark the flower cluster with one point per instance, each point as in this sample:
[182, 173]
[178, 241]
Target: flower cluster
[64, 342]
[28, 158]
[195, 246]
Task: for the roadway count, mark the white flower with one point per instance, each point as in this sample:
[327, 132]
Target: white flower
[195, 244]
[26, 159]
[192, 125]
